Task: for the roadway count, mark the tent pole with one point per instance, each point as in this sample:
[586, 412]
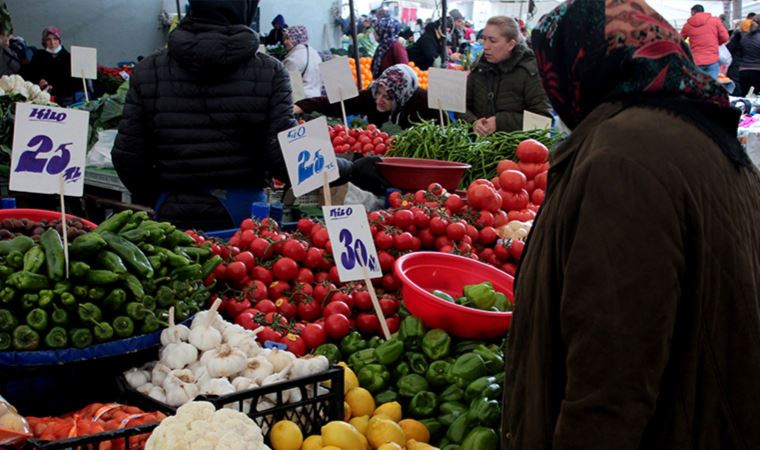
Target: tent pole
[444, 37]
[352, 18]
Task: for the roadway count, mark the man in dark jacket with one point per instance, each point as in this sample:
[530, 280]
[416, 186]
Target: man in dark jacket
[199, 132]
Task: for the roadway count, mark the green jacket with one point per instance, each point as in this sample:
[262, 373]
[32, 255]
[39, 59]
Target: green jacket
[516, 87]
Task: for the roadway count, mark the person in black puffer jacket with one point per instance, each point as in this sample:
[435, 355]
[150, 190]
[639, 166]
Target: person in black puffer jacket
[429, 45]
[198, 137]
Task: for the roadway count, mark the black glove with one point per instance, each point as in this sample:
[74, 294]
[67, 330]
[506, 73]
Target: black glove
[365, 175]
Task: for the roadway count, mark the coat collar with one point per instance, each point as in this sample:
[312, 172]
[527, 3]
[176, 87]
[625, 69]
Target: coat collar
[520, 56]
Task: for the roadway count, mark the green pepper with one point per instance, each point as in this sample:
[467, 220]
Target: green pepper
[155, 235]
[209, 266]
[46, 298]
[361, 359]
[115, 223]
[89, 312]
[37, 319]
[129, 253]
[111, 261]
[443, 295]
[79, 269]
[389, 351]
[103, 331]
[494, 361]
[386, 397]
[352, 343]
[155, 262]
[502, 303]
[182, 311]
[179, 238]
[6, 341]
[463, 347]
[411, 332]
[374, 377]
[135, 221]
[466, 369]
[408, 385]
[87, 245]
[403, 311]
[452, 393]
[80, 337]
[165, 296]
[29, 301]
[464, 301]
[62, 286]
[448, 419]
[59, 316]
[374, 342]
[81, 292]
[480, 438]
[417, 362]
[435, 428]
[436, 344]
[449, 446]
[330, 351]
[151, 324]
[149, 302]
[34, 258]
[15, 260]
[5, 271]
[191, 272]
[7, 295]
[7, 320]
[123, 327]
[436, 373]
[20, 244]
[53, 245]
[96, 293]
[481, 295]
[423, 404]
[401, 369]
[134, 286]
[148, 249]
[57, 338]
[176, 261]
[102, 277]
[457, 408]
[484, 412]
[458, 429]
[483, 387]
[115, 299]
[68, 299]
[25, 338]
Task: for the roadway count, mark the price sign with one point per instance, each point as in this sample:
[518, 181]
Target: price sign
[447, 90]
[309, 155]
[48, 143]
[353, 247]
[339, 82]
[84, 62]
[296, 83]
[532, 121]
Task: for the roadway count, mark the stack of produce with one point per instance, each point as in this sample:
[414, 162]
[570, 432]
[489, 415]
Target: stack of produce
[365, 69]
[453, 388]
[422, 75]
[369, 141]
[10, 228]
[123, 278]
[13, 89]
[113, 77]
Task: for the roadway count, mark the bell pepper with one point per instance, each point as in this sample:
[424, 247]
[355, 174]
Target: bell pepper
[483, 387]
[164, 296]
[352, 343]
[57, 338]
[361, 359]
[403, 311]
[411, 332]
[329, 351]
[502, 303]
[417, 362]
[132, 256]
[28, 281]
[102, 277]
[37, 319]
[29, 301]
[458, 429]
[80, 337]
[182, 311]
[123, 327]
[103, 331]
[435, 428]
[15, 260]
[25, 338]
[79, 269]
[448, 419]
[155, 262]
[151, 324]
[88, 312]
[454, 407]
[115, 223]
[401, 369]
[115, 300]
[409, 385]
[466, 368]
[111, 261]
[81, 292]
[386, 397]
[134, 286]
[481, 295]
[179, 238]
[96, 293]
[436, 344]
[87, 245]
[374, 377]
[463, 347]
[68, 299]
[46, 298]
[7, 320]
[7, 295]
[494, 361]
[423, 404]
[450, 446]
[452, 393]
[34, 258]
[149, 302]
[62, 286]
[389, 351]
[20, 244]
[436, 373]
[480, 438]
[443, 295]
[6, 341]
[484, 412]
[148, 249]
[59, 317]
[5, 271]
[53, 245]
[374, 342]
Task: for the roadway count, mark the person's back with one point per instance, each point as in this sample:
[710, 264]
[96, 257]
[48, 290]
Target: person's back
[427, 48]
[705, 33]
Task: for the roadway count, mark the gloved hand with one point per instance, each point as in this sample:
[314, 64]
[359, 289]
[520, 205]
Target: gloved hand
[365, 175]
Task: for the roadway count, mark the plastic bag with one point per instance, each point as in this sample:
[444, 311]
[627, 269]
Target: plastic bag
[725, 56]
[13, 427]
[100, 154]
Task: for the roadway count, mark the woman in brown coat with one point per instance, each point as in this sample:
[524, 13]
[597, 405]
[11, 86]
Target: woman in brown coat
[637, 316]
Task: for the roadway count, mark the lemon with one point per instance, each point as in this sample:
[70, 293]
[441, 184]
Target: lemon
[349, 378]
[416, 430]
[312, 443]
[346, 411]
[392, 409]
[381, 416]
[342, 435]
[360, 401]
[390, 446]
[360, 423]
[411, 444]
[331, 447]
[286, 436]
[383, 431]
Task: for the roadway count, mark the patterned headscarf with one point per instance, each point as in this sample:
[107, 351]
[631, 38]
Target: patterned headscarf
[297, 34]
[590, 51]
[387, 30]
[55, 31]
[400, 83]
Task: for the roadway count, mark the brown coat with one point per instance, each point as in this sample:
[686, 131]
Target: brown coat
[637, 323]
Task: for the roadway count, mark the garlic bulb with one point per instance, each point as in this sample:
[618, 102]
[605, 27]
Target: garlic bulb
[217, 386]
[243, 384]
[276, 378]
[231, 329]
[257, 369]
[280, 359]
[294, 395]
[158, 374]
[145, 388]
[308, 365]
[203, 335]
[245, 341]
[157, 393]
[177, 355]
[174, 333]
[224, 362]
[136, 377]
[180, 387]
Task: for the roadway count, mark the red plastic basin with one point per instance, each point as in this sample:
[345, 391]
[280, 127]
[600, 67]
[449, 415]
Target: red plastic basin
[422, 272]
[411, 174]
[40, 214]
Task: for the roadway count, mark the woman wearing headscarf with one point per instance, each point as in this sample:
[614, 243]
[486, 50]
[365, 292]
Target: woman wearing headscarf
[50, 67]
[395, 97]
[637, 311]
[429, 46]
[303, 59]
[275, 35]
[389, 50]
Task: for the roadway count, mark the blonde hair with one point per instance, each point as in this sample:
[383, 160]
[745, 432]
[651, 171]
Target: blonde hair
[508, 27]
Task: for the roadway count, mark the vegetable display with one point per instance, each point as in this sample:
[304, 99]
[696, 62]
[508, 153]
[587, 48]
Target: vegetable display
[479, 296]
[11, 228]
[369, 141]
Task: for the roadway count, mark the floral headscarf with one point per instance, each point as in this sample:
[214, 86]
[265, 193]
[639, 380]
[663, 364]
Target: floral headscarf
[400, 83]
[387, 30]
[297, 34]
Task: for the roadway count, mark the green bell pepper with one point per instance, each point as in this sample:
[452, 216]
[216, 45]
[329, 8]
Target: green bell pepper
[423, 404]
[25, 338]
[59, 317]
[352, 343]
[134, 286]
[466, 369]
[436, 344]
[386, 397]
[57, 338]
[435, 428]
[5, 271]
[102, 277]
[115, 223]
[46, 298]
[96, 293]
[443, 295]
[191, 272]
[103, 331]
[411, 332]
[6, 341]
[88, 312]
[458, 429]
[111, 261]
[29, 301]
[7, 320]
[484, 412]
[389, 351]
[79, 269]
[155, 262]
[132, 256]
[502, 303]
[452, 393]
[481, 295]
[480, 438]
[62, 286]
[457, 408]
[483, 387]
[436, 373]
[123, 327]
[450, 446]
[176, 261]
[37, 319]
[28, 281]
[411, 384]
[417, 362]
[463, 347]
[81, 292]
[448, 419]
[68, 299]
[87, 245]
[329, 351]
[21, 244]
[34, 258]
[136, 310]
[7, 295]
[374, 377]
[361, 359]
[209, 266]
[164, 296]
[401, 369]
[374, 342]
[115, 300]
[80, 337]
[151, 324]
[494, 361]
[54, 256]
[15, 260]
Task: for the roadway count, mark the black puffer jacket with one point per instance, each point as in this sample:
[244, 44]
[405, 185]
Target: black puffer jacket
[203, 114]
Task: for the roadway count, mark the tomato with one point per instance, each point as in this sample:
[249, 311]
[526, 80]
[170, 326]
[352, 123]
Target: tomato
[456, 231]
[454, 203]
[391, 283]
[256, 290]
[436, 189]
[380, 149]
[367, 323]
[541, 180]
[246, 258]
[509, 267]
[286, 308]
[420, 197]
[247, 224]
[278, 289]
[320, 291]
[394, 199]
[220, 273]
[482, 181]
[247, 318]
[263, 274]
[337, 326]
[512, 180]
[516, 248]
[416, 244]
[260, 248]
[496, 184]
[522, 215]
[246, 237]
[336, 307]
[309, 310]
[442, 241]
[305, 276]
[403, 218]
[487, 236]
[285, 269]
[302, 291]
[500, 218]
[234, 306]
[236, 271]
[295, 344]
[487, 255]
[531, 169]
[537, 197]
[320, 238]
[513, 201]
[393, 323]
[294, 250]
[438, 225]
[362, 300]
[421, 219]
[532, 151]
[266, 306]
[268, 334]
[403, 241]
[313, 257]
[427, 240]
[386, 260]
[501, 251]
[485, 219]
[506, 164]
[314, 335]
[388, 306]
[481, 196]
[446, 249]
[333, 276]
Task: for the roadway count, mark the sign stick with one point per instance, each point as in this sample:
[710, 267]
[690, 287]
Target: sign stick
[343, 110]
[326, 189]
[376, 305]
[64, 227]
[440, 111]
[84, 85]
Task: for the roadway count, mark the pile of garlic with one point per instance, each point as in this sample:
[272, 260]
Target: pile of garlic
[216, 357]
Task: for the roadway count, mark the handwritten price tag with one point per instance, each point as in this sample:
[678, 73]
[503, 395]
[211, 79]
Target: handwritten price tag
[353, 247]
[308, 155]
[48, 143]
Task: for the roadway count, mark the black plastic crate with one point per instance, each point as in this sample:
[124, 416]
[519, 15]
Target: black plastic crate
[310, 413]
[119, 439]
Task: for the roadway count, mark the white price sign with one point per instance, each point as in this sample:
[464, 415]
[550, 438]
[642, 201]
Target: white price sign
[533, 121]
[339, 82]
[309, 155]
[353, 248]
[84, 62]
[296, 83]
[447, 90]
[48, 143]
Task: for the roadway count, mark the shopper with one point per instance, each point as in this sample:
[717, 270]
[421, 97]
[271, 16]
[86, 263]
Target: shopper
[198, 137]
[637, 316]
[13, 53]
[419, 27]
[504, 82]
[705, 34]
[430, 45]
[50, 68]
[389, 50]
[395, 96]
[303, 59]
[275, 34]
[456, 39]
[744, 25]
[749, 51]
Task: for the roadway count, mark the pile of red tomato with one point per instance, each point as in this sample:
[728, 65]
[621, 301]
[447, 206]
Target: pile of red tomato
[369, 141]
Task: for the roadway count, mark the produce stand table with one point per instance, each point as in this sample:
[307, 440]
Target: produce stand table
[107, 179]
